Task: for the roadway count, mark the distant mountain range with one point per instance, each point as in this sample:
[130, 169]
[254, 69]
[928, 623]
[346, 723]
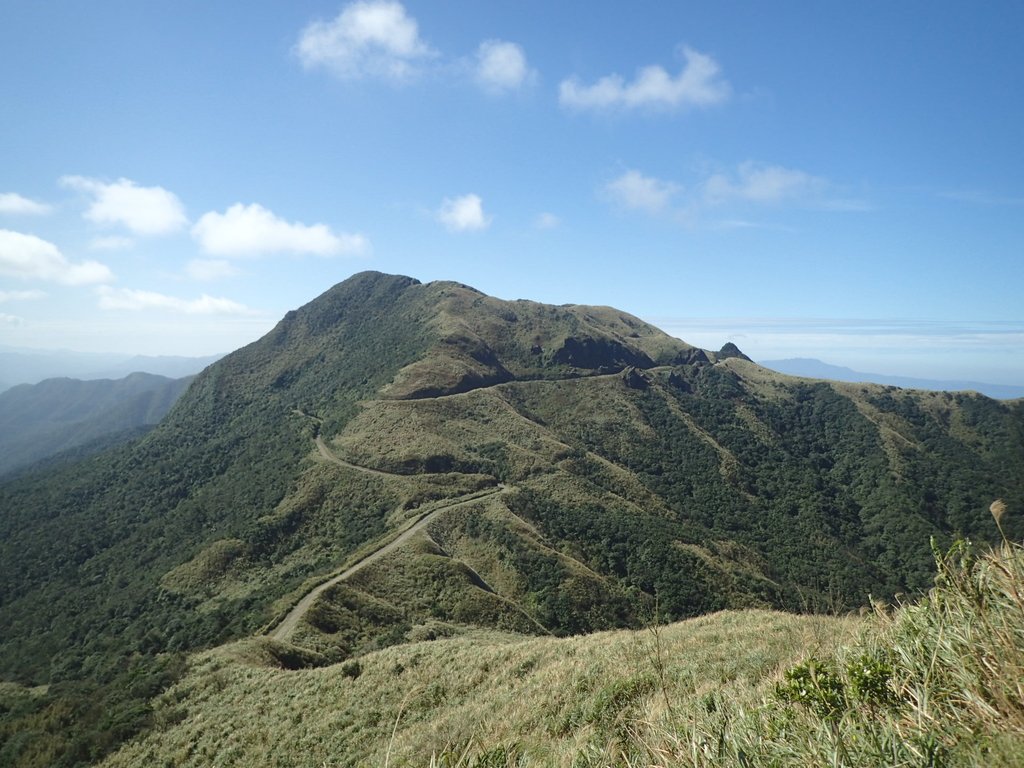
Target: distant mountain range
[30, 366]
[38, 421]
[816, 369]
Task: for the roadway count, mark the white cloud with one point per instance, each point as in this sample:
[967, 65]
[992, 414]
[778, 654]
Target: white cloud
[374, 38]
[6, 296]
[760, 183]
[135, 300]
[547, 221]
[143, 210]
[112, 243]
[244, 230]
[12, 202]
[698, 84]
[11, 321]
[463, 214]
[31, 258]
[501, 66]
[207, 270]
[638, 192]
[749, 185]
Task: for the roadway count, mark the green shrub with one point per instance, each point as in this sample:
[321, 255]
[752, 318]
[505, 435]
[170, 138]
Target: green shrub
[871, 680]
[816, 685]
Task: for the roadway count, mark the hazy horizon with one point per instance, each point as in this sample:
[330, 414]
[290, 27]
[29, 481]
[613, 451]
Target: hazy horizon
[946, 351]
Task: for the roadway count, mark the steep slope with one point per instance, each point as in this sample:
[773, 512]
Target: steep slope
[561, 470]
[55, 415]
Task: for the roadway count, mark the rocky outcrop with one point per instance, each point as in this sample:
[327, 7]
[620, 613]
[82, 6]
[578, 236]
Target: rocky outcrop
[692, 356]
[731, 350]
[635, 379]
[603, 355]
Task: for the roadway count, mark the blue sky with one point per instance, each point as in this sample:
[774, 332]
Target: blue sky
[816, 179]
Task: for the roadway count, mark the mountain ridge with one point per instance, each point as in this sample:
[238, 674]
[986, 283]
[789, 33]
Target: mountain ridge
[646, 479]
[22, 365]
[40, 420]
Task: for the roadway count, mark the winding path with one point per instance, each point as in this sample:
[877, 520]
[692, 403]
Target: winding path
[288, 624]
[326, 453]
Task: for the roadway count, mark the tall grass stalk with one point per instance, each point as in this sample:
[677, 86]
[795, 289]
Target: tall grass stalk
[938, 682]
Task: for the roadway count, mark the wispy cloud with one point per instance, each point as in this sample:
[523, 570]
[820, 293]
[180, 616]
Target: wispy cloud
[208, 270]
[371, 38]
[135, 300]
[635, 191]
[13, 203]
[698, 84]
[463, 214]
[982, 197]
[761, 183]
[28, 257]
[736, 193]
[6, 296]
[501, 66]
[143, 210]
[547, 220]
[111, 243]
[251, 230]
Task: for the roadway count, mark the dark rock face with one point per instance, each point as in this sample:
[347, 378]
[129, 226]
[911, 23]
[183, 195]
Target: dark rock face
[467, 382]
[680, 382]
[599, 354]
[635, 379]
[692, 356]
[731, 350]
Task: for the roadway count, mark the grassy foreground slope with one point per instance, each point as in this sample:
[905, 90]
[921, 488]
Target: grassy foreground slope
[937, 682]
[552, 700]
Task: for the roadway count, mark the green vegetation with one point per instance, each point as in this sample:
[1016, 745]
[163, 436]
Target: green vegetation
[936, 682]
[77, 722]
[641, 480]
[57, 415]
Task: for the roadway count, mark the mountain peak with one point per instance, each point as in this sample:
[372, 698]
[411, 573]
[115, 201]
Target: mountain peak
[731, 350]
[450, 337]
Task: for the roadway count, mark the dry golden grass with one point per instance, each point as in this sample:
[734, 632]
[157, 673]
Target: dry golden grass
[549, 700]
[939, 682]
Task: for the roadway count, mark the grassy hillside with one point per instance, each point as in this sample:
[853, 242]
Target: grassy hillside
[936, 682]
[550, 701]
[566, 469]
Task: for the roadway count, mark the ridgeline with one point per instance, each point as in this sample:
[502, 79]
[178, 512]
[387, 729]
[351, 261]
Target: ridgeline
[577, 470]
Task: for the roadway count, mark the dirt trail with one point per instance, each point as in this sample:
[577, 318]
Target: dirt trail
[283, 630]
[288, 624]
[326, 453]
